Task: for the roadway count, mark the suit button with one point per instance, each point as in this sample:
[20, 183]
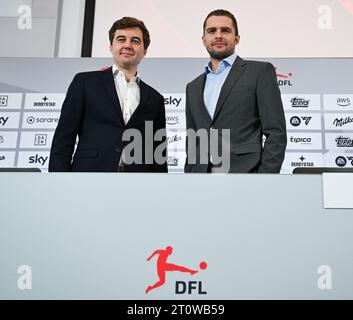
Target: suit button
[118, 150]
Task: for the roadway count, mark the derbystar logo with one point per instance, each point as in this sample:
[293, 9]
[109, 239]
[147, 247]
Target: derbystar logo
[163, 267]
[302, 163]
[283, 79]
[44, 103]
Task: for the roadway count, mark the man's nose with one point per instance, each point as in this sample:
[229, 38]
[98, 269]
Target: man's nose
[128, 44]
[218, 34]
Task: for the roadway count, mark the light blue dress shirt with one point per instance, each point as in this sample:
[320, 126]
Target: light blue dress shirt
[215, 81]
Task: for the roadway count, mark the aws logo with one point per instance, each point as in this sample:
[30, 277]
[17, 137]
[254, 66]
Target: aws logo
[164, 266]
[343, 102]
[172, 120]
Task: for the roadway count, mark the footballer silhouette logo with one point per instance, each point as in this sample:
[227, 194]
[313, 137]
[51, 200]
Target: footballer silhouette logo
[163, 266]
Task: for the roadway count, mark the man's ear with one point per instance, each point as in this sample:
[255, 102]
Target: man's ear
[237, 39]
[203, 40]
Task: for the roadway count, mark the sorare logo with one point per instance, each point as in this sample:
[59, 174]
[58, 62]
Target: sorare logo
[164, 266]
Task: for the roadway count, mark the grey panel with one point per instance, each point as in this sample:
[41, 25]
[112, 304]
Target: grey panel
[9, 8]
[308, 75]
[36, 42]
[45, 8]
[86, 237]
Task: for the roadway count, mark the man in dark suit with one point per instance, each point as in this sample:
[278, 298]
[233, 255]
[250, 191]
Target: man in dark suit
[240, 96]
[100, 106]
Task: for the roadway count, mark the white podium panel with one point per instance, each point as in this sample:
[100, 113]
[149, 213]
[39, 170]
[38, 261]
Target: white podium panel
[88, 236]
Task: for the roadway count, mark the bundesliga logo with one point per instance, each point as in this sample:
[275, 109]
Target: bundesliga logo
[283, 79]
[163, 267]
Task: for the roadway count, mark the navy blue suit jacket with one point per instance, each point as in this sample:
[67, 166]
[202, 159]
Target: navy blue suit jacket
[92, 112]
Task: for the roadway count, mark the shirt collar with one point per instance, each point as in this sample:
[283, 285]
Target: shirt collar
[222, 65]
[116, 71]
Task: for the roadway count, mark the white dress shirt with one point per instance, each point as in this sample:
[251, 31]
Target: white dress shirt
[128, 93]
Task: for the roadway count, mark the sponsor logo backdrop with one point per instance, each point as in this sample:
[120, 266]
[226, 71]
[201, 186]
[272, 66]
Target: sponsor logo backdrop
[317, 98]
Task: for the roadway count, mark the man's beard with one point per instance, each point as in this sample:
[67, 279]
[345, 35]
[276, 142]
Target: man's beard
[220, 55]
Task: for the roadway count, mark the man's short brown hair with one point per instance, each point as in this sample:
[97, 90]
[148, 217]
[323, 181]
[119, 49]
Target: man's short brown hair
[221, 13]
[129, 22]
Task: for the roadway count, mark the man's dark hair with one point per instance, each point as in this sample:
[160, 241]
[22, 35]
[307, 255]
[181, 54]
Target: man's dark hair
[225, 13]
[129, 22]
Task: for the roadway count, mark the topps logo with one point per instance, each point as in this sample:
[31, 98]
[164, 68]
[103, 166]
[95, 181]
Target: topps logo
[300, 102]
[344, 142]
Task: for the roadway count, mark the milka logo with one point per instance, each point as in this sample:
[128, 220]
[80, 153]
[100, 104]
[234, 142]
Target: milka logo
[343, 121]
[174, 138]
[172, 120]
[343, 102]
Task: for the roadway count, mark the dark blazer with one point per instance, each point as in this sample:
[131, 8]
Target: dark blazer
[92, 112]
[250, 106]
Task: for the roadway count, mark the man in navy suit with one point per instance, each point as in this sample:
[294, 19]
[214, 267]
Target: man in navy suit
[101, 105]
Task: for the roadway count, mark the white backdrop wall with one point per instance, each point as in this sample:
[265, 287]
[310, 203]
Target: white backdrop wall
[271, 28]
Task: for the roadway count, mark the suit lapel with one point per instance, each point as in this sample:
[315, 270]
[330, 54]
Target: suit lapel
[109, 85]
[232, 78]
[199, 88]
